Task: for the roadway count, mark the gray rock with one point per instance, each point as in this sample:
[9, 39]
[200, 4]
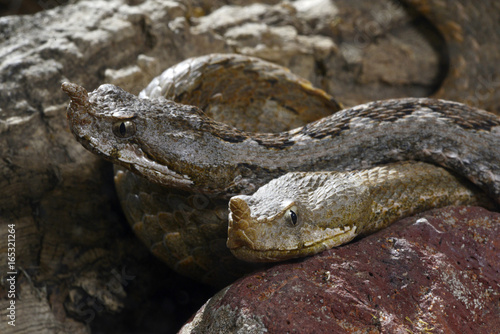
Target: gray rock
[71, 239]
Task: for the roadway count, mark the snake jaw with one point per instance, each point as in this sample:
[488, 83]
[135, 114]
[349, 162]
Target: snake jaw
[336, 237]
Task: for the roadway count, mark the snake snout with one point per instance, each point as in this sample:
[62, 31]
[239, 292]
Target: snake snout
[240, 211]
[239, 221]
[78, 95]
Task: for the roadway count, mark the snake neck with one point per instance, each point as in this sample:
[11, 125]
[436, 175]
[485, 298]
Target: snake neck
[178, 146]
[445, 133]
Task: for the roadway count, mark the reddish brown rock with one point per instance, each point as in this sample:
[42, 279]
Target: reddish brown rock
[433, 273]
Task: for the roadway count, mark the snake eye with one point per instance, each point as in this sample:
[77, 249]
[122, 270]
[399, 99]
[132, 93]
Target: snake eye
[293, 216]
[124, 129]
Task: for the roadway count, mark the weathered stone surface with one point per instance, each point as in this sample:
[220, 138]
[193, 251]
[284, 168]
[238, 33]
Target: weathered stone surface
[437, 272]
[73, 248]
[74, 251]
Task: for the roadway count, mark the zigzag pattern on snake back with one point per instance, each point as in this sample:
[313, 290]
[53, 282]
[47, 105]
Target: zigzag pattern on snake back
[177, 145]
[462, 138]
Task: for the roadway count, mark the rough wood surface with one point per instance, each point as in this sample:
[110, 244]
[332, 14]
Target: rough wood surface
[79, 267]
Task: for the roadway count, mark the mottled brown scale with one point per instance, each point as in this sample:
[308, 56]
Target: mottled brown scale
[190, 233]
[264, 156]
[332, 208]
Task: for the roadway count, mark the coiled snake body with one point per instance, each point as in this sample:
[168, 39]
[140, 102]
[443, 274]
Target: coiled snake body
[207, 161]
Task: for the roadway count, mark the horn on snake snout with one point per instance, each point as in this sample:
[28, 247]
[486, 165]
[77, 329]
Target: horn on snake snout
[239, 216]
[78, 95]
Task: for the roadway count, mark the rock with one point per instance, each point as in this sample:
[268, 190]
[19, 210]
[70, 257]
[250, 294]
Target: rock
[436, 272]
[74, 251]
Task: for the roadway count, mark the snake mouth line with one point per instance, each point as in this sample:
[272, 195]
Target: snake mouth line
[274, 255]
[141, 162]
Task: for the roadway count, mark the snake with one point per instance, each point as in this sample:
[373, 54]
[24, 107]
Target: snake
[203, 161]
[188, 229]
[304, 213]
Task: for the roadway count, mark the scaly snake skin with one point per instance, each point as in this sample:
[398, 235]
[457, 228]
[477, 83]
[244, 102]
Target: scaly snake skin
[188, 230]
[194, 153]
[179, 146]
[304, 213]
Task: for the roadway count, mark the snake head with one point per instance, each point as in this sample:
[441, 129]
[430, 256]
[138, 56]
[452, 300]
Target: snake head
[295, 215]
[146, 136]
[98, 119]
[168, 143]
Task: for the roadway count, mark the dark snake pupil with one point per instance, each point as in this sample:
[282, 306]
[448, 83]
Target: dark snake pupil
[293, 216]
[123, 129]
